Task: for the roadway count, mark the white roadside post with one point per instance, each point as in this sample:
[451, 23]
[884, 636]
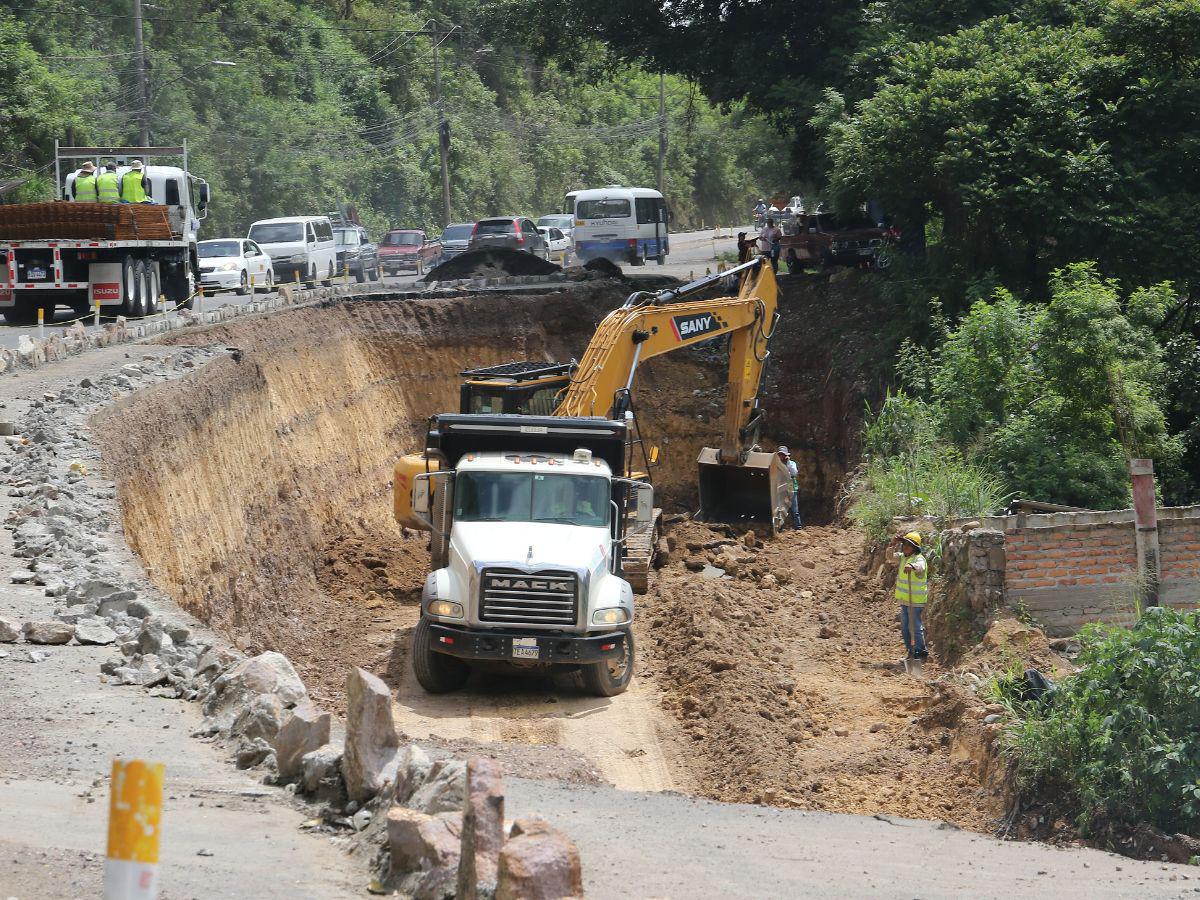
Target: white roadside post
[41, 323]
[96, 312]
[134, 817]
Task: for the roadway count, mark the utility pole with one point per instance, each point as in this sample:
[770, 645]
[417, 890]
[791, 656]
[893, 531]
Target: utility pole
[139, 59]
[443, 127]
[662, 131]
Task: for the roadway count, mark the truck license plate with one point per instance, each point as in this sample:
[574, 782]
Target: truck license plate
[525, 648]
[35, 273]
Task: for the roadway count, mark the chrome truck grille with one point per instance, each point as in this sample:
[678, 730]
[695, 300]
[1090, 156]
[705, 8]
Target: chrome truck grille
[529, 598]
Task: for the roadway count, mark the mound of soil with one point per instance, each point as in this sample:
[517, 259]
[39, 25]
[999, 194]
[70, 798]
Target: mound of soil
[492, 262]
[604, 267]
[785, 672]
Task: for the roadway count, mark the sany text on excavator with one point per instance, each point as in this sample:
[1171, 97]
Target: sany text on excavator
[538, 499]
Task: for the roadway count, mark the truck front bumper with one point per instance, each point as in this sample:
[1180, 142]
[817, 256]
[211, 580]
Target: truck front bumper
[468, 643]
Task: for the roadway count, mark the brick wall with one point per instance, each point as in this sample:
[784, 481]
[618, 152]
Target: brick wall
[1068, 569]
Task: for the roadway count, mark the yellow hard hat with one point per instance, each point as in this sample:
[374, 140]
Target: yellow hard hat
[914, 538]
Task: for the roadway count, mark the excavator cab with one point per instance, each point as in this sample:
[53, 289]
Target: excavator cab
[516, 388]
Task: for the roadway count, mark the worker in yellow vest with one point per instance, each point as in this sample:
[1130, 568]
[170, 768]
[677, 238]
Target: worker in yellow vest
[108, 184]
[83, 188]
[134, 186]
[912, 590]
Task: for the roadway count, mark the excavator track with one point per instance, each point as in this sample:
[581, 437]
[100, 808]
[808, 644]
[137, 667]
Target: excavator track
[639, 555]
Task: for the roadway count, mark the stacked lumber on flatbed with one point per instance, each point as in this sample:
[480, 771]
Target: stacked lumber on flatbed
[83, 221]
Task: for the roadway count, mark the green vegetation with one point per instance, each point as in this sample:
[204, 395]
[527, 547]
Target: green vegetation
[332, 104]
[1048, 402]
[1118, 739]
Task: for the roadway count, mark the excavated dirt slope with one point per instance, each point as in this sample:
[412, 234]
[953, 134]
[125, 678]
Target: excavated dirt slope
[258, 493]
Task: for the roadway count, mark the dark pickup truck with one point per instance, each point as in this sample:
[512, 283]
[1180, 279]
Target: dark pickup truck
[820, 239]
[356, 253]
[408, 248]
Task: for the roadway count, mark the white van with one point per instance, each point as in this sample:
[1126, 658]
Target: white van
[301, 247]
[621, 224]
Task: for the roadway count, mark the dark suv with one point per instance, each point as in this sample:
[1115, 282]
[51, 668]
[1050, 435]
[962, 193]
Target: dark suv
[513, 232]
[356, 251]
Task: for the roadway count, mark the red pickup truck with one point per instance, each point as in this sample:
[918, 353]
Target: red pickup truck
[408, 248]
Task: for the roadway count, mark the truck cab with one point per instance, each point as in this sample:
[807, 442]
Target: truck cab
[529, 524]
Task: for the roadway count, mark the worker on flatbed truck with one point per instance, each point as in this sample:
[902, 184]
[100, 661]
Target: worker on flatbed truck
[133, 184]
[108, 184]
[83, 189]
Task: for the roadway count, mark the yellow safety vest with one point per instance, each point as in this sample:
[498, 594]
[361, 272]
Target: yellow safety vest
[133, 190]
[85, 188]
[107, 185]
[912, 588]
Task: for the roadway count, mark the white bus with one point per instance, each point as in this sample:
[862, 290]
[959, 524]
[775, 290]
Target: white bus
[621, 224]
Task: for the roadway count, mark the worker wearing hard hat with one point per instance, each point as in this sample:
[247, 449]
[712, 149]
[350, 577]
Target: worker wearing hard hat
[83, 188]
[785, 456]
[912, 590]
[133, 185]
[108, 184]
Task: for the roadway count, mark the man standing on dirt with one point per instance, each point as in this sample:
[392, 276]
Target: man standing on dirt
[769, 242]
[912, 590]
[785, 457]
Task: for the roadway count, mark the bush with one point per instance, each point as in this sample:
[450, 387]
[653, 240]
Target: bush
[1121, 741]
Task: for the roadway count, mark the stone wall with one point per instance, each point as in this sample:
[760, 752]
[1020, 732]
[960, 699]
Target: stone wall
[970, 587]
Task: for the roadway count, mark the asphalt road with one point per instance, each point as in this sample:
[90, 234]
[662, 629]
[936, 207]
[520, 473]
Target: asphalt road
[692, 254]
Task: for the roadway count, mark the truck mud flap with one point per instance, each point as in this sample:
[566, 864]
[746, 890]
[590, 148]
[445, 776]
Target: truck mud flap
[755, 491]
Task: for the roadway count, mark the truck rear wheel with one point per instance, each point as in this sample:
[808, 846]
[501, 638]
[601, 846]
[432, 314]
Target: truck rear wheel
[436, 672]
[611, 677]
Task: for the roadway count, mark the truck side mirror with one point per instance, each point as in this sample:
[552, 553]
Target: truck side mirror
[420, 497]
[644, 515]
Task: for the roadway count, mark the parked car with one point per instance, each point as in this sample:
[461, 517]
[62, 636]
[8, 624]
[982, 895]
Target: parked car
[233, 264]
[513, 232]
[356, 253]
[455, 239]
[408, 248]
[557, 243]
[564, 223]
[301, 247]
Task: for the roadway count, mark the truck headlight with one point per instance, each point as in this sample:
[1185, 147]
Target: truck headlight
[614, 615]
[446, 609]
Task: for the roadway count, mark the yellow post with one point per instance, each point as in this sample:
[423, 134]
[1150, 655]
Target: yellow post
[252, 288]
[41, 322]
[200, 298]
[134, 817]
[96, 313]
[346, 271]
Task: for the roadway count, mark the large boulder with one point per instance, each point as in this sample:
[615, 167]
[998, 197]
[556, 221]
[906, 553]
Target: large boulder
[94, 633]
[424, 852]
[305, 730]
[538, 862]
[444, 788]
[267, 673]
[412, 771]
[369, 760]
[320, 772]
[482, 830]
[9, 631]
[260, 719]
[48, 632]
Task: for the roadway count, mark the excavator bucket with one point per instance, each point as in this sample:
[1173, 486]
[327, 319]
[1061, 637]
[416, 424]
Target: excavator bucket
[758, 490]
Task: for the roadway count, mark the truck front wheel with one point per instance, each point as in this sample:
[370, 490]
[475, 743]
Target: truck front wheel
[436, 672]
[611, 677]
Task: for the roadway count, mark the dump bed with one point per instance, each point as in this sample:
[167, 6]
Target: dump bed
[456, 434]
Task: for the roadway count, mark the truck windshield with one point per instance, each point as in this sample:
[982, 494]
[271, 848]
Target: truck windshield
[531, 497]
[277, 232]
[346, 237]
[206, 249]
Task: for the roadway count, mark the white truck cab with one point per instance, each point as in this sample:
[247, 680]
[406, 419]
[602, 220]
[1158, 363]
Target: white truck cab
[528, 545]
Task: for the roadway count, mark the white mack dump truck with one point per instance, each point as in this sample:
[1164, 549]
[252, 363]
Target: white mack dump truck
[529, 517]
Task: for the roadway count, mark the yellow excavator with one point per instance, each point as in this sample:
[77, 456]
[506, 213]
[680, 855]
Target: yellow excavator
[737, 481]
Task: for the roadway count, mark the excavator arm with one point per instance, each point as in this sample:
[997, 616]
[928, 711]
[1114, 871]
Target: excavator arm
[650, 325]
